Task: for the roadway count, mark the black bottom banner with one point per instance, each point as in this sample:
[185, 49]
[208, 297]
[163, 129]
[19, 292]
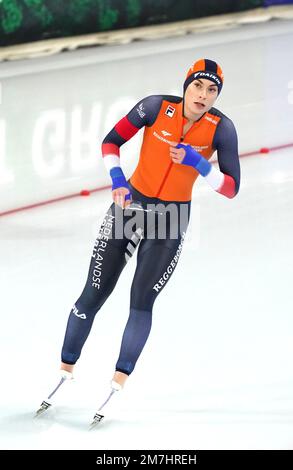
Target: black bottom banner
[213, 459]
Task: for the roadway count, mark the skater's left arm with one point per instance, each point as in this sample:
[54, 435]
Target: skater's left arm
[226, 144]
[225, 181]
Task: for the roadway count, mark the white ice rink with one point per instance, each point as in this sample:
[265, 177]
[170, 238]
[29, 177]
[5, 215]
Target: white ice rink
[216, 372]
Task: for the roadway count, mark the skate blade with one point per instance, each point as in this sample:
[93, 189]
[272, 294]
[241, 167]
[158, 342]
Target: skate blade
[44, 407]
[97, 419]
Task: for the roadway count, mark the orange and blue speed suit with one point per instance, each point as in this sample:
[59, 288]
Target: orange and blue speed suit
[156, 179]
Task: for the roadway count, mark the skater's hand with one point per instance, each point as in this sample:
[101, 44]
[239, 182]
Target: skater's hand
[122, 197]
[185, 154]
[177, 155]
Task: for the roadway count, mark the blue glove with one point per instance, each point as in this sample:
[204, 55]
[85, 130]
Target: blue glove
[119, 180]
[193, 158]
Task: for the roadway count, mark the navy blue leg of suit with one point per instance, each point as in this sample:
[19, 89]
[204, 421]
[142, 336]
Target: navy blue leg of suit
[156, 261]
[143, 295]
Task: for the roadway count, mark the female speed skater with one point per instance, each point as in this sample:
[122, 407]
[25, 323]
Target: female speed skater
[180, 136]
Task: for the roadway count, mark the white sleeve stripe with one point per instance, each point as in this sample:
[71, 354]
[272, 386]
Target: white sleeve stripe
[111, 161]
[215, 178]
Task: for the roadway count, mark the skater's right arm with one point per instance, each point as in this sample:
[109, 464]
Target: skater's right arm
[144, 113]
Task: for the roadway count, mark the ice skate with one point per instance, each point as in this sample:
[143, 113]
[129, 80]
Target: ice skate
[65, 376]
[107, 404]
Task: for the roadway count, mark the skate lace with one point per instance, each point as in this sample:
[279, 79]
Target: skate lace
[56, 388]
[106, 401]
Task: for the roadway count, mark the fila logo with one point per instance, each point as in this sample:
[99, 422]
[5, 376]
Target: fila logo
[170, 111]
[79, 315]
[165, 133]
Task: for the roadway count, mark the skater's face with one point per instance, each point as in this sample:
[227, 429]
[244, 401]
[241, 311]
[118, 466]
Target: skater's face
[200, 96]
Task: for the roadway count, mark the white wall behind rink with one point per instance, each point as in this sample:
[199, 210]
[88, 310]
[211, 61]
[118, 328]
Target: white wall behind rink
[60, 155]
[55, 111]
